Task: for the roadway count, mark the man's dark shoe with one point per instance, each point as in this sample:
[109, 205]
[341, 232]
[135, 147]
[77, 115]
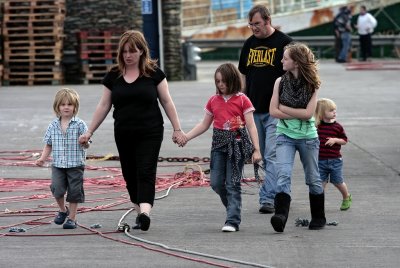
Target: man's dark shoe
[267, 208]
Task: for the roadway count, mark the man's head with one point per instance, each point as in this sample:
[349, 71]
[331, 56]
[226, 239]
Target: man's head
[345, 9]
[363, 10]
[260, 21]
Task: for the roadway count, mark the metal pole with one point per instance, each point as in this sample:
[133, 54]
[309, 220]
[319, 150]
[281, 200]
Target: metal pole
[160, 33]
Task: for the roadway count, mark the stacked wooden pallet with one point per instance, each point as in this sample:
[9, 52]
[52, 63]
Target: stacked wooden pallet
[1, 42]
[1, 50]
[98, 52]
[33, 41]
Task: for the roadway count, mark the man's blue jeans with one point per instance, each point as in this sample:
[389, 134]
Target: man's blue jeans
[222, 183]
[266, 128]
[285, 153]
[346, 43]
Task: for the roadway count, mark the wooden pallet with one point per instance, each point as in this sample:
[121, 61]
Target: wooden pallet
[94, 73]
[34, 37]
[44, 67]
[33, 41]
[33, 2]
[98, 52]
[32, 7]
[31, 82]
[36, 51]
[26, 23]
[37, 17]
[10, 32]
[32, 78]
[58, 44]
[1, 59]
[97, 45]
[32, 57]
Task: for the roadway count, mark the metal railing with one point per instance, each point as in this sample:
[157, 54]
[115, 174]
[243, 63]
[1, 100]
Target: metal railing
[201, 13]
[318, 43]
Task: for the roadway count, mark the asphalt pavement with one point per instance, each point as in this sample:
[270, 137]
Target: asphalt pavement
[186, 221]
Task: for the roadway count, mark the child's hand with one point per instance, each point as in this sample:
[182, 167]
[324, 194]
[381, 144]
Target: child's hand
[86, 145]
[84, 138]
[256, 157]
[39, 162]
[330, 141]
[179, 137]
[182, 140]
[182, 143]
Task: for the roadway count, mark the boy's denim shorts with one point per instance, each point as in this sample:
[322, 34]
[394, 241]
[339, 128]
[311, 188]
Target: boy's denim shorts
[331, 170]
[70, 181]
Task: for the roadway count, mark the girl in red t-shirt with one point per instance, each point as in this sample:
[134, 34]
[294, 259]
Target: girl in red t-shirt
[232, 114]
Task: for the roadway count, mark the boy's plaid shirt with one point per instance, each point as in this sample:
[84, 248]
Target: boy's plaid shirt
[66, 150]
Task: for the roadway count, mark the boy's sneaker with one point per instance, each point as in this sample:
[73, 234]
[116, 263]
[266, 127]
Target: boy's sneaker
[61, 216]
[346, 203]
[228, 228]
[69, 224]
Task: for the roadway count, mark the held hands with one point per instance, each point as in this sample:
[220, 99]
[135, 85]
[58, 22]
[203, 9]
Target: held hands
[84, 139]
[179, 137]
[86, 145]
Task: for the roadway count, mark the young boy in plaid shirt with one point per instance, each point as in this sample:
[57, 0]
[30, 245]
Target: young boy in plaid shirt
[68, 156]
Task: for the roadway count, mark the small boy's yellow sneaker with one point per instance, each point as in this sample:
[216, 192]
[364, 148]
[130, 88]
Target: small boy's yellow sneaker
[346, 203]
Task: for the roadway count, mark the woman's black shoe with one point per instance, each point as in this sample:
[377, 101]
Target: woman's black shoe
[137, 223]
[144, 221]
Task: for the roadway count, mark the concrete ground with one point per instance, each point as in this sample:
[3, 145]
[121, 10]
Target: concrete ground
[190, 218]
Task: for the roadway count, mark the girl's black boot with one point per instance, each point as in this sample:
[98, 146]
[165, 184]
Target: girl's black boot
[282, 205]
[317, 205]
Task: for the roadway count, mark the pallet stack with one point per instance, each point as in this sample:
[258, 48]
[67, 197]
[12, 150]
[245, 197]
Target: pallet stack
[33, 42]
[98, 52]
[1, 42]
[1, 49]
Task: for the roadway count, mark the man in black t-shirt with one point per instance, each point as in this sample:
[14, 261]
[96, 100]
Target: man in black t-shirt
[260, 64]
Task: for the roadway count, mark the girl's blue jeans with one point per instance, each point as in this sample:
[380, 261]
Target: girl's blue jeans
[223, 185]
[285, 153]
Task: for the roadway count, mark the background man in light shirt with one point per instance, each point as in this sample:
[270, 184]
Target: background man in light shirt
[365, 27]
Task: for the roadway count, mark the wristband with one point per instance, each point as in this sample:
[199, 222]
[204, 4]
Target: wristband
[177, 130]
